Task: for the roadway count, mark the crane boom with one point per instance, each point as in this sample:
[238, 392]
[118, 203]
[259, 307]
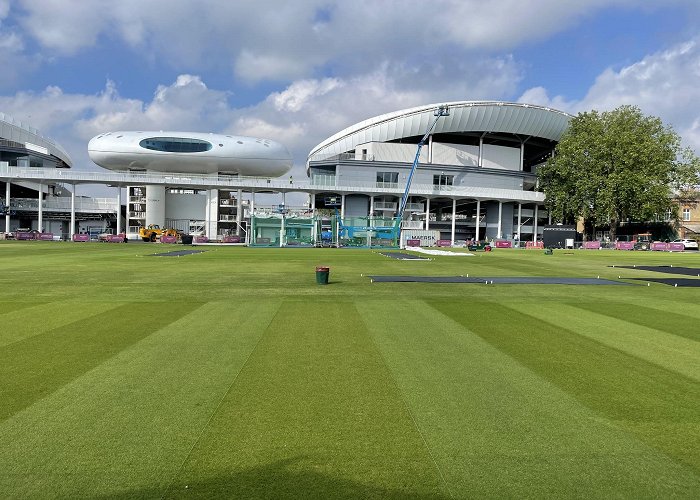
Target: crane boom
[440, 111]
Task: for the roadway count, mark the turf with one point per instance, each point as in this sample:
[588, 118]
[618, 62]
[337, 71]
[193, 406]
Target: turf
[232, 374]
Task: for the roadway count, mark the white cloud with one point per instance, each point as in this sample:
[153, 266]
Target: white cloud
[663, 84]
[280, 40]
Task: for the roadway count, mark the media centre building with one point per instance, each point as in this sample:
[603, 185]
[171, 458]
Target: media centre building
[476, 174]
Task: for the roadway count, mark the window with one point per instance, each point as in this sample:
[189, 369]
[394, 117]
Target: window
[387, 179]
[686, 214]
[175, 145]
[443, 180]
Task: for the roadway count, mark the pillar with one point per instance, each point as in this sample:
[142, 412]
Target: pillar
[478, 215]
[239, 211]
[481, 152]
[155, 205]
[119, 209]
[499, 232]
[40, 223]
[534, 225]
[72, 214]
[207, 216]
[427, 214]
[7, 203]
[520, 218]
[454, 216]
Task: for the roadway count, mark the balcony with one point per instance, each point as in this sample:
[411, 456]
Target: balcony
[390, 206]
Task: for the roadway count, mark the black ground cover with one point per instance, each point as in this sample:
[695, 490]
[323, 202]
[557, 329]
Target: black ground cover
[684, 282]
[177, 253]
[505, 280]
[402, 256]
[687, 271]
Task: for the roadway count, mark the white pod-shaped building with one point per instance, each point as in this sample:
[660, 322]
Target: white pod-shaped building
[190, 152]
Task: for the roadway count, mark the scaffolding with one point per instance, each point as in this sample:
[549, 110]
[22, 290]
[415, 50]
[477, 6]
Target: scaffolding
[282, 230]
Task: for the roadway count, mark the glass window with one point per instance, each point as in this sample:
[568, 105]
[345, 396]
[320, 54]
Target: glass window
[443, 180]
[686, 214]
[175, 144]
[384, 178]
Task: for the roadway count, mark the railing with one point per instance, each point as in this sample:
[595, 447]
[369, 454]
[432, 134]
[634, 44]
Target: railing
[256, 183]
[323, 180]
[415, 207]
[81, 204]
[385, 205]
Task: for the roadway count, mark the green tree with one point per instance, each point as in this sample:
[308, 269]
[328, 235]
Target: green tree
[615, 166]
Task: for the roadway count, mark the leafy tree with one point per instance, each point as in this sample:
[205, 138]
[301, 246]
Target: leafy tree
[615, 166]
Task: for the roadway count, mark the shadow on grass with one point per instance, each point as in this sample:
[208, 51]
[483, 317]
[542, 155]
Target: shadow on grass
[281, 480]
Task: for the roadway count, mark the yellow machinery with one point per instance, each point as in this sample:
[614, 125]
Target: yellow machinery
[153, 232]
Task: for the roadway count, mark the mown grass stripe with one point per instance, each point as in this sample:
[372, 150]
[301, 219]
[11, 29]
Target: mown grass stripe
[123, 428]
[671, 352]
[313, 414]
[42, 318]
[619, 387]
[39, 365]
[10, 307]
[664, 321]
[497, 429]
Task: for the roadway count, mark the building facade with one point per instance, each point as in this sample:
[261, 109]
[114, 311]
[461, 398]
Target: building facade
[43, 206]
[476, 174]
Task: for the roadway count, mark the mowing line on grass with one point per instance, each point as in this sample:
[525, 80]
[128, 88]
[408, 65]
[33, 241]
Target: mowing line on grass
[647, 399]
[211, 416]
[410, 414]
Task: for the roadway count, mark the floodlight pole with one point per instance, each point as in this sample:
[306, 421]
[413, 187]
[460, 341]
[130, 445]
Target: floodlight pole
[440, 111]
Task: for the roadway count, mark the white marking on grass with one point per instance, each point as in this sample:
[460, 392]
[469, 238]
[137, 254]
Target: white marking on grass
[430, 251]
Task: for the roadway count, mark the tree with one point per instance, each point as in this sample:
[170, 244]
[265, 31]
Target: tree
[615, 166]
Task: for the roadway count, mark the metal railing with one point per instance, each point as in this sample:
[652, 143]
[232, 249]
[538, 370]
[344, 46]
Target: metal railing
[257, 183]
[64, 204]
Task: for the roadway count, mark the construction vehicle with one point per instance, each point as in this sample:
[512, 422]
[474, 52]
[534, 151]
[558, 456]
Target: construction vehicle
[153, 232]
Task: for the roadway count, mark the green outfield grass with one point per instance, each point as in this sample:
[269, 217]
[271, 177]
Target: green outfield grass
[232, 374]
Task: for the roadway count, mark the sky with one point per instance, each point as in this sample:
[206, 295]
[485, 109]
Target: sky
[298, 72]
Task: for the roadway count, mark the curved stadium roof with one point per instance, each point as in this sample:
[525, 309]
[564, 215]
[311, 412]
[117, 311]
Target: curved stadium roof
[465, 116]
[15, 131]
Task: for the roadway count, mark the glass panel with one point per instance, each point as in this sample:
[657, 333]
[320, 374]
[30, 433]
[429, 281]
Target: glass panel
[175, 145]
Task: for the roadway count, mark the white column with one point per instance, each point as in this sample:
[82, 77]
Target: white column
[371, 205]
[478, 215]
[72, 214]
[427, 214]
[520, 218]
[499, 233]
[454, 216]
[207, 216]
[481, 152]
[342, 207]
[522, 155]
[239, 211]
[119, 209]
[549, 218]
[430, 148]
[7, 203]
[40, 223]
[282, 231]
[250, 237]
[155, 205]
[534, 226]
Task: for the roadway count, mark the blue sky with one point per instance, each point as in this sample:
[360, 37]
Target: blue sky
[297, 72]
